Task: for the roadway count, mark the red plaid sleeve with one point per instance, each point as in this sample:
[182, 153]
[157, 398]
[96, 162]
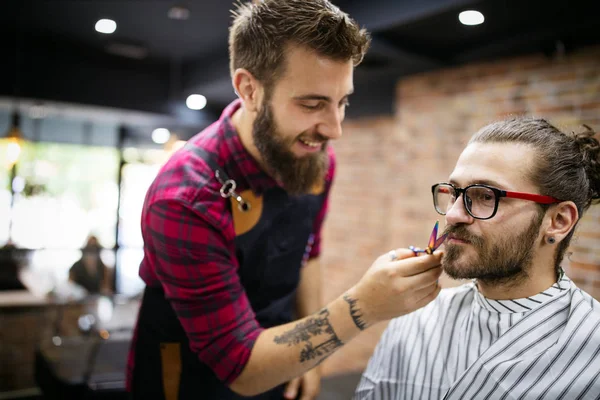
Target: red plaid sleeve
[197, 269]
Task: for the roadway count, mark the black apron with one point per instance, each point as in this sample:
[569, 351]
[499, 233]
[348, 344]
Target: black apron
[270, 257]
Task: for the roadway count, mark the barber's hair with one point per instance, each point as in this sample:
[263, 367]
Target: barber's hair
[262, 30]
[567, 166]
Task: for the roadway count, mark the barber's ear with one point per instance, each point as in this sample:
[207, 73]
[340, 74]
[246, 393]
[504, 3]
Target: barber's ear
[563, 218]
[248, 89]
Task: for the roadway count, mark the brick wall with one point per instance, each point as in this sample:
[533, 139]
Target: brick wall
[386, 166]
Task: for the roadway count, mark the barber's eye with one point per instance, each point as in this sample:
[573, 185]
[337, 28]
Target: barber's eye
[313, 106]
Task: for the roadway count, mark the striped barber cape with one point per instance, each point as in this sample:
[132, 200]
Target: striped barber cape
[465, 346]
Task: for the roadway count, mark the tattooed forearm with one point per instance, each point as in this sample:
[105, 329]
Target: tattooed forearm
[309, 352]
[355, 313]
[308, 332]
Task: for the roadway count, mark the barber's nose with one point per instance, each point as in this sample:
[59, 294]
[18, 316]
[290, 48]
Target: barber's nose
[457, 213]
[332, 127]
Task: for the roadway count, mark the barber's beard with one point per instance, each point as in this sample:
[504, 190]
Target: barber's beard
[505, 260]
[297, 175]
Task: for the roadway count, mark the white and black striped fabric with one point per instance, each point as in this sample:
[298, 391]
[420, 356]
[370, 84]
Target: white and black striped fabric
[464, 346]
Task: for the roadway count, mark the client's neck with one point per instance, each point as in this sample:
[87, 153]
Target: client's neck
[536, 278]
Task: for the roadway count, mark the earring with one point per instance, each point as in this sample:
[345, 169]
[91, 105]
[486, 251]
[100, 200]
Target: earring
[551, 240]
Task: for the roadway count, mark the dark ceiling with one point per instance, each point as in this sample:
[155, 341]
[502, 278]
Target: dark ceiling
[52, 52]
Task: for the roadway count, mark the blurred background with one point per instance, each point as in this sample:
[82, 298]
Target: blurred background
[95, 96]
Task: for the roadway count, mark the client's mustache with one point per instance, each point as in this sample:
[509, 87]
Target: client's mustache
[462, 233]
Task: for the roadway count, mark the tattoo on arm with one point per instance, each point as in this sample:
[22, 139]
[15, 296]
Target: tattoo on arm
[307, 332]
[355, 313]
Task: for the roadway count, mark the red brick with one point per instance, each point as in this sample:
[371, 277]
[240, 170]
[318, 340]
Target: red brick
[584, 266]
[594, 105]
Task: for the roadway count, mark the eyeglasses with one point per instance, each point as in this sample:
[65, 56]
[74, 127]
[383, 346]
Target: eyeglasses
[481, 201]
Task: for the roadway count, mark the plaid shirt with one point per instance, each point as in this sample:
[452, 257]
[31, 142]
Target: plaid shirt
[189, 246]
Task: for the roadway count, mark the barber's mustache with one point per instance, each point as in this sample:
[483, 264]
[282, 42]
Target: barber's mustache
[314, 137]
[461, 232]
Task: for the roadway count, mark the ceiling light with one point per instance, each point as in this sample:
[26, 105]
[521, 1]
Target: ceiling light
[161, 135]
[129, 50]
[196, 102]
[106, 26]
[471, 17]
[15, 140]
[13, 151]
[179, 12]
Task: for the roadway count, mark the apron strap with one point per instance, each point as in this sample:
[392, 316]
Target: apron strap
[229, 185]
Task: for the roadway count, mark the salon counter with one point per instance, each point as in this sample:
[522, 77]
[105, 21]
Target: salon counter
[28, 321]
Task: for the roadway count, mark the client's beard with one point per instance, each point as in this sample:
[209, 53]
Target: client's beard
[507, 260]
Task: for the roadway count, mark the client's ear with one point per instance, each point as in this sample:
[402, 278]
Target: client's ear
[563, 218]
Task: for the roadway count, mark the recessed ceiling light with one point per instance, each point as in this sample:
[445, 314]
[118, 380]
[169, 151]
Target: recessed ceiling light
[106, 26]
[196, 102]
[179, 12]
[161, 135]
[471, 17]
[127, 49]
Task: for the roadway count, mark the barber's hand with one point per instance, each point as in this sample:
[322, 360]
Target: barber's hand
[390, 289]
[308, 385]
